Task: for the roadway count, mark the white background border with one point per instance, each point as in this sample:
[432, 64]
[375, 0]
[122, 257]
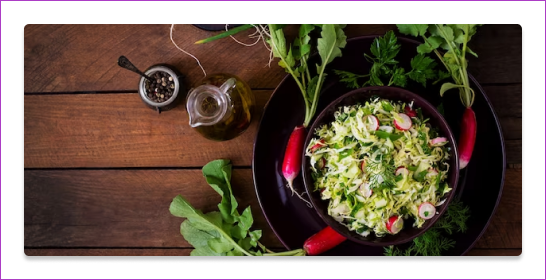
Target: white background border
[529, 14]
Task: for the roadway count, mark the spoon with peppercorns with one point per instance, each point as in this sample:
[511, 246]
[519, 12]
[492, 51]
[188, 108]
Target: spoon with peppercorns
[125, 63]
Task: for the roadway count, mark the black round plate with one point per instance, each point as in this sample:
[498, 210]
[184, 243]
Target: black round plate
[480, 184]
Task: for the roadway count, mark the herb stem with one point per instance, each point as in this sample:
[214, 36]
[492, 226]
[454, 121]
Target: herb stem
[297, 252]
[319, 83]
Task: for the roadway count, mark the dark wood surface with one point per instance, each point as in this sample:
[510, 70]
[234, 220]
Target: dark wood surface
[101, 169]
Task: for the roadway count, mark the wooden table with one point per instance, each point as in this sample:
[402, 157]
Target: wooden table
[101, 169]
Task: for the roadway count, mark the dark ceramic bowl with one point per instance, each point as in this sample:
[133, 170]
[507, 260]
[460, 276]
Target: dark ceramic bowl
[408, 233]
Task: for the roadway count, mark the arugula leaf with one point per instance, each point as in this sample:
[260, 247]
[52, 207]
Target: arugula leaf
[246, 220]
[224, 233]
[329, 47]
[218, 175]
[220, 245]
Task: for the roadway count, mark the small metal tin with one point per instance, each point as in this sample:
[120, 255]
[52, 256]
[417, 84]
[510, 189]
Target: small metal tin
[178, 93]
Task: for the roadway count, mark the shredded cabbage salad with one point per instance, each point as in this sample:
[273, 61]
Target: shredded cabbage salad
[373, 169]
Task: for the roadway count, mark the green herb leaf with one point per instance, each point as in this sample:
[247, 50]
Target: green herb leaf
[422, 69]
[430, 44]
[302, 46]
[350, 79]
[246, 220]
[220, 245]
[420, 177]
[204, 251]
[197, 238]
[398, 77]
[434, 241]
[440, 108]
[238, 232]
[218, 175]
[330, 44]
[447, 86]
[255, 236]
[385, 135]
[413, 29]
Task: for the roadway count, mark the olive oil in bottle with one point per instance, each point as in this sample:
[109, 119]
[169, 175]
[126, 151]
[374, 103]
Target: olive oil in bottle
[221, 107]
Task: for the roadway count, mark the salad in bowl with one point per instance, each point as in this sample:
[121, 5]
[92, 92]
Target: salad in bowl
[380, 164]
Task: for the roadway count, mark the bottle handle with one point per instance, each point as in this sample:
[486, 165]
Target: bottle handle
[227, 85]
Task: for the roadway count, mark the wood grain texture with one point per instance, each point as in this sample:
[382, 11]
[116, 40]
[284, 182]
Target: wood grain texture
[499, 47]
[68, 58]
[186, 252]
[122, 208]
[117, 130]
[129, 208]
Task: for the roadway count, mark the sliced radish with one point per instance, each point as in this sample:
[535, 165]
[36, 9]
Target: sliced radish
[372, 122]
[318, 145]
[365, 190]
[432, 172]
[395, 224]
[321, 163]
[363, 166]
[411, 113]
[405, 124]
[401, 170]
[427, 210]
[438, 141]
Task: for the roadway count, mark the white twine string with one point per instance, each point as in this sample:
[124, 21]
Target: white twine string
[250, 36]
[198, 62]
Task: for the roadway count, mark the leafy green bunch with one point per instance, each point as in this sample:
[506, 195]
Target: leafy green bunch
[385, 69]
[453, 39]
[294, 58]
[225, 232]
[434, 241]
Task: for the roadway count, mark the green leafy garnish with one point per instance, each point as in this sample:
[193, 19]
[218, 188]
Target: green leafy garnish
[329, 47]
[224, 232]
[435, 241]
[453, 38]
[385, 69]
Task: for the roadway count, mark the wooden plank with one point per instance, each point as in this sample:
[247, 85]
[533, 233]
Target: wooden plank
[186, 252]
[499, 47]
[67, 58]
[123, 208]
[108, 252]
[129, 208]
[513, 151]
[117, 130]
[495, 252]
[505, 230]
[506, 100]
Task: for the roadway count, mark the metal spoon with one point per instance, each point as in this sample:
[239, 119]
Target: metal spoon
[125, 63]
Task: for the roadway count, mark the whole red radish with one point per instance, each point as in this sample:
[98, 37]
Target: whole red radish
[467, 138]
[292, 156]
[322, 241]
